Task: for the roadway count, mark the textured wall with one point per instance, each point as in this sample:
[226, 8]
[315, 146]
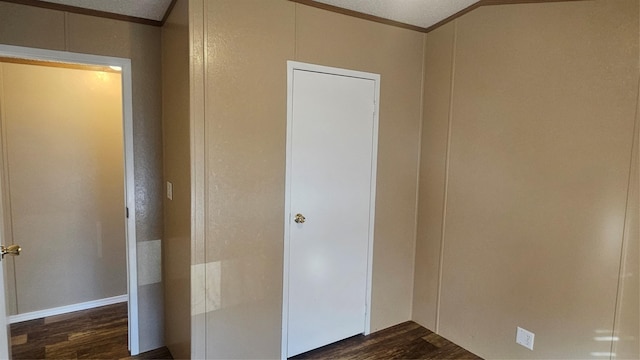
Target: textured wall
[438, 57]
[245, 48]
[248, 43]
[177, 212]
[49, 29]
[627, 320]
[541, 117]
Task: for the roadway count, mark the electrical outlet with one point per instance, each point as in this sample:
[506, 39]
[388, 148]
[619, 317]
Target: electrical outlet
[525, 338]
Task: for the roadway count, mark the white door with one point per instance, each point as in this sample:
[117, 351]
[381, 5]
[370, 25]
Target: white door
[331, 179]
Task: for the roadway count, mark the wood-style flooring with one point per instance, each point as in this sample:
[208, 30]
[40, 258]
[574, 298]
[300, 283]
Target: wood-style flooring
[404, 341]
[99, 333]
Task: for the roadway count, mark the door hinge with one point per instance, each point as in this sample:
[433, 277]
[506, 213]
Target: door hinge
[127, 211]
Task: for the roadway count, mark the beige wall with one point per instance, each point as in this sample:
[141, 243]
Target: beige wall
[49, 29]
[627, 319]
[540, 100]
[63, 142]
[245, 48]
[438, 56]
[247, 45]
[177, 212]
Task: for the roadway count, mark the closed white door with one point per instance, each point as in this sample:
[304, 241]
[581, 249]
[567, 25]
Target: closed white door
[331, 182]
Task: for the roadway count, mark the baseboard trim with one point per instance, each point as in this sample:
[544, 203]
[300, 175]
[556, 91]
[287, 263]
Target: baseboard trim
[67, 309]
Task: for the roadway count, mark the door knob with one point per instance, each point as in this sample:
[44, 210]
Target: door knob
[13, 250]
[300, 219]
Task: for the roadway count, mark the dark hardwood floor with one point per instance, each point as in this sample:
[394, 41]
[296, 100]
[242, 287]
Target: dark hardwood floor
[404, 341]
[99, 333]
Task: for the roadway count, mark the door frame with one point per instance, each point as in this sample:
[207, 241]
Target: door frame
[292, 66]
[129, 180]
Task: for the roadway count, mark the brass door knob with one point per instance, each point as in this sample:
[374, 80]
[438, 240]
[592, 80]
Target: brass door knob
[13, 250]
[300, 219]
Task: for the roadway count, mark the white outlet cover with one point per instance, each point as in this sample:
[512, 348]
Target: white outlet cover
[525, 338]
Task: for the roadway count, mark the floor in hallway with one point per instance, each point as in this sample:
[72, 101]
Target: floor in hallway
[404, 341]
[99, 333]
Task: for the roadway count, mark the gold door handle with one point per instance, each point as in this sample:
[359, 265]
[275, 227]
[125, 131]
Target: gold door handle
[13, 250]
[300, 219]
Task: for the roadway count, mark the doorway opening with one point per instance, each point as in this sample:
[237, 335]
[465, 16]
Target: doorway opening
[82, 170]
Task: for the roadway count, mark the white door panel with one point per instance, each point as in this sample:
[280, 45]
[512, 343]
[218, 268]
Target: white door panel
[331, 171]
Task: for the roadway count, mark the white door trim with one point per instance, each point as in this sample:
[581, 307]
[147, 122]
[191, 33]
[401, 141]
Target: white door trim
[291, 67]
[127, 115]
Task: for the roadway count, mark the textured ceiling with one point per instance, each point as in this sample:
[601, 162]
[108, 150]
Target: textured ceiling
[145, 9]
[423, 13]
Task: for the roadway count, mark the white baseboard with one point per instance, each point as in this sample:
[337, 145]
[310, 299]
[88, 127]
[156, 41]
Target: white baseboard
[67, 309]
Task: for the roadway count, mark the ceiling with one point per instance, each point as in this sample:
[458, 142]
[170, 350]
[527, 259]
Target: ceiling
[421, 13]
[145, 9]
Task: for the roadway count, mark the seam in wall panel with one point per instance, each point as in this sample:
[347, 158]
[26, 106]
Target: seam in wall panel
[205, 177]
[446, 175]
[295, 31]
[418, 167]
[65, 34]
[196, 119]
